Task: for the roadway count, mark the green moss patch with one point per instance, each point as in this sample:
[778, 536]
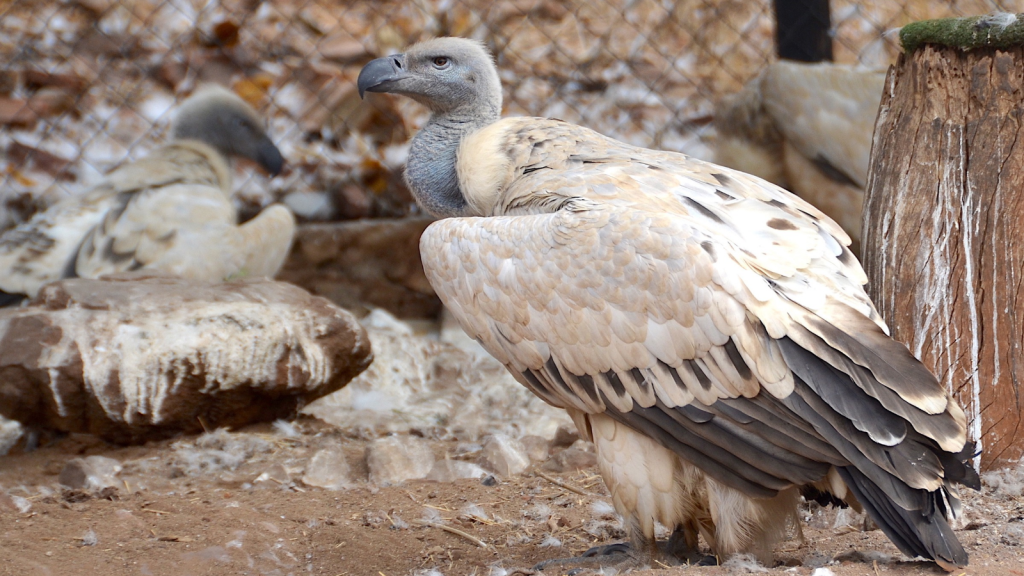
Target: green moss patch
[990, 31]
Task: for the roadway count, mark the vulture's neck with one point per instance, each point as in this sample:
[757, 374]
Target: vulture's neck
[431, 171]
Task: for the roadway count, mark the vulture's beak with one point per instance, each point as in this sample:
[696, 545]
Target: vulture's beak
[268, 156]
[379, 74]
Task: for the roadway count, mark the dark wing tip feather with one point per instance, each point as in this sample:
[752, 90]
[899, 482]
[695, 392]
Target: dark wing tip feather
[924, 533]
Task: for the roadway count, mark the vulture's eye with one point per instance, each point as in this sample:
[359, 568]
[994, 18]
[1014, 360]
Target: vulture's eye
[441, 62]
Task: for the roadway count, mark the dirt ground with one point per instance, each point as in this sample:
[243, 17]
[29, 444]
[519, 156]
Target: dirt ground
[176, 511]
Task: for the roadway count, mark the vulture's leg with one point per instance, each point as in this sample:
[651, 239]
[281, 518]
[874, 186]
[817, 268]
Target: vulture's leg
[641, 551]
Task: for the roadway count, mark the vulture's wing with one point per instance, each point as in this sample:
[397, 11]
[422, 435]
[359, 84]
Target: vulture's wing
[706, 308]
[150, 215]
[43, 249]
[145, 228]
[827, 112]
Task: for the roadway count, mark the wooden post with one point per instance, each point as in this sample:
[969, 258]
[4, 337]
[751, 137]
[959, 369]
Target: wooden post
[802, 30]
[943, 236]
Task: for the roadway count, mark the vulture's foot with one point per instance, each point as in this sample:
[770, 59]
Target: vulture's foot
[623, 556]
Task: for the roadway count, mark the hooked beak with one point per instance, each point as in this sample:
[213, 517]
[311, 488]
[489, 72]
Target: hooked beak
[378, 74]
[268, 156]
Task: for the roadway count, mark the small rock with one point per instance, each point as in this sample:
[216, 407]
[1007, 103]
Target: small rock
[537, 448]
[276, 474]
[504, 455]
[328, 468]
[451, 470]
[564, 437]
[395, 459]
[489, 480]
[90, 473]
[569, 460]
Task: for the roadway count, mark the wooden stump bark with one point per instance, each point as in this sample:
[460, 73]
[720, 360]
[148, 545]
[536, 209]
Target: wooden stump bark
[944, 225]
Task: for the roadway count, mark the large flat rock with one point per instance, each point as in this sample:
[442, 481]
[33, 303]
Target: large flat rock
[136, 357]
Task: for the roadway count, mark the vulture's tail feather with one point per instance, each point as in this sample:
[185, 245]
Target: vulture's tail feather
[924, 533]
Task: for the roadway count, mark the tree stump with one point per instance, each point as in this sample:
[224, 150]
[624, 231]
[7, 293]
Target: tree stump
[944, 217]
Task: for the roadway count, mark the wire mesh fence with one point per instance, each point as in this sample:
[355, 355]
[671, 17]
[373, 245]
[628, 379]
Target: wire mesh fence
[87, 84]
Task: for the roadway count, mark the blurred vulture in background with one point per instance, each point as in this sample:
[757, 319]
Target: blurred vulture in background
[169, 212]
[807, 128]
[707, 330]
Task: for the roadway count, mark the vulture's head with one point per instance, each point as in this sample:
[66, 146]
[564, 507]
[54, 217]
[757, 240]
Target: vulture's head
[445, 74]
[218, 117]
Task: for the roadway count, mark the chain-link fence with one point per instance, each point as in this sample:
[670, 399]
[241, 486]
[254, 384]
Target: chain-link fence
[88, 84]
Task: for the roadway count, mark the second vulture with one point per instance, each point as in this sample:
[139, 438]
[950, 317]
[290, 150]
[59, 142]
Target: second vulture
[708, 330]
[807, 128]
[169, 212]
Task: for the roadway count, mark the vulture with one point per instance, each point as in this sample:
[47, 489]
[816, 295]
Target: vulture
[807, 128]
[169, 212]
[706, 329]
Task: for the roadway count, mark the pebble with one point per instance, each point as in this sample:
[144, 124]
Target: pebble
[504, 455]
[328, 468]
[395, 459]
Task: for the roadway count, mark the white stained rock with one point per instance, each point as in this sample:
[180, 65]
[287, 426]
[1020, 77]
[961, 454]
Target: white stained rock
[451, 470]
[328, 468]
[395, 459]
[505, 455]
[137, 356]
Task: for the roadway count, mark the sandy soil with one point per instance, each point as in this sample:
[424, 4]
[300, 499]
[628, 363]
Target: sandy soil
[176, 512]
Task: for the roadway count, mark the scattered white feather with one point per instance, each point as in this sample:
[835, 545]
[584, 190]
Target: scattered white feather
[286, 429]
[743, 564]
[823, 572]
[89, 538]
[1007, 482]
[397, 523]
[428, 572]
[23, 504]
[474, 512]
[550, 541]
[603, 510]
[432, 516]
[217, 451]
[537, 512]
[998, 20]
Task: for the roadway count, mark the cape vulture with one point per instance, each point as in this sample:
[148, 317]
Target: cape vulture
[169, 212]
[707, 330]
